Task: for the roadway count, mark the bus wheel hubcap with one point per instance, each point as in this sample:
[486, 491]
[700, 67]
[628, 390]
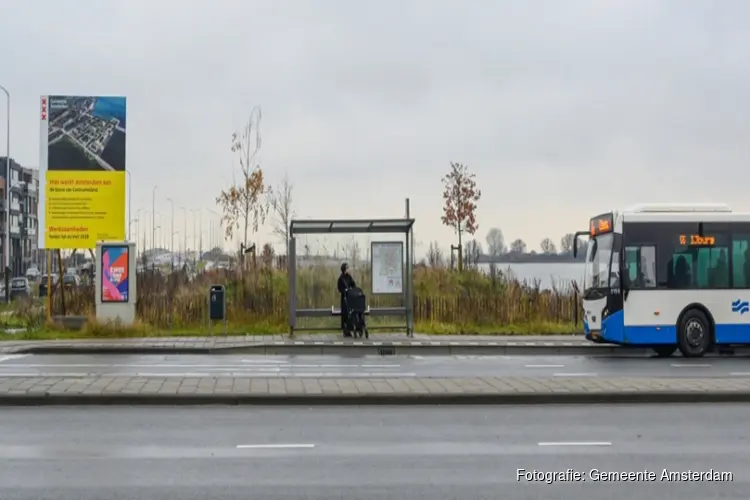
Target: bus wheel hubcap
[695, 333]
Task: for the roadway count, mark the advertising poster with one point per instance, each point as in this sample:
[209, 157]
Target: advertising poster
[114, 274]
[82, 166]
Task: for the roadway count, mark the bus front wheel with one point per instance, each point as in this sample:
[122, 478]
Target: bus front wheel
[665, 351]
[694, 334]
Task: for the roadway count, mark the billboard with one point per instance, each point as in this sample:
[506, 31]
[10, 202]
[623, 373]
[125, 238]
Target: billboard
[82, 167]
[114, 273]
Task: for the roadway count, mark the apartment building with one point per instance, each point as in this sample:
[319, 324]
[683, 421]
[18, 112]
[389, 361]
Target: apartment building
[24, 216]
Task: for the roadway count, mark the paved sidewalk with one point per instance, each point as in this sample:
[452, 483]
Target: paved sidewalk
[249, 390]
[273, 343]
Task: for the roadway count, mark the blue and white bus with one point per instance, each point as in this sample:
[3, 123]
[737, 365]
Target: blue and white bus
[668, 277]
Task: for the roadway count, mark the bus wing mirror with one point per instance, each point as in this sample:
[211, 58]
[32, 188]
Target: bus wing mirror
[575, 242]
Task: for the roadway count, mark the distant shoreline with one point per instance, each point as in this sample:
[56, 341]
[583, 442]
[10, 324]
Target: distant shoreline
[530, 258]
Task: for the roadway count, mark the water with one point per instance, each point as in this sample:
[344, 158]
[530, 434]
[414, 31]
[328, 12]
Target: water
[561, 274]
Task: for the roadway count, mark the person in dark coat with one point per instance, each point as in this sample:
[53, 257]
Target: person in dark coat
[345, 283]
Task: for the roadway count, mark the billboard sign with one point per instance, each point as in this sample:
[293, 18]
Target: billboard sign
[82, 166]
[114, 273]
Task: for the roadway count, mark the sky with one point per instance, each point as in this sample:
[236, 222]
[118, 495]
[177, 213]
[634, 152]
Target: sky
[563, 110]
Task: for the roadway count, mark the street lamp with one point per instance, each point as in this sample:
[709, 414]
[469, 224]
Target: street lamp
[195, 240]
[6, 243]
[171, 241]
[216, 236]
[184, 231]
[153, 217]
[130, 196]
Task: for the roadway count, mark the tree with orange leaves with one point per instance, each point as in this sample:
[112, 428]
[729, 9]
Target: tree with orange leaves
[460, 195]
[245, 204]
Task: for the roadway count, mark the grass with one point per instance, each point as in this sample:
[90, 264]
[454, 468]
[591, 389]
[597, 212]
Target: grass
[445, 302]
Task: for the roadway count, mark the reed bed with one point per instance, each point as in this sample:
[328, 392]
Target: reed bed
[445, 301]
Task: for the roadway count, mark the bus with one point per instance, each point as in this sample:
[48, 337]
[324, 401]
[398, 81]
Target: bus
[668, 277]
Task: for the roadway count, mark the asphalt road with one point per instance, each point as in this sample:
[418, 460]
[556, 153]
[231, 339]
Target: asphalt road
[372, 453]
[368, 366]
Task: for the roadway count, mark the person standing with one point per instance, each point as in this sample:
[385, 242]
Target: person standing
[344, 284]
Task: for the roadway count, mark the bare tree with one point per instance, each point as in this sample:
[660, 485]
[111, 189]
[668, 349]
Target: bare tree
[283, 212]
[495, 242]
[547, 246]
[435, 257]
[518, 246]
[566, 243]
[473, 253]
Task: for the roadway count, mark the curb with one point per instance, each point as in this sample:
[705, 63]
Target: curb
[604, 397]
[381, 349]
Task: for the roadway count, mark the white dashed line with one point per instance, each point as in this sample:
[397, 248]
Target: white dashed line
[544, 366]
[272, 446]
[689, 365]
[574, 374]
[576, 443]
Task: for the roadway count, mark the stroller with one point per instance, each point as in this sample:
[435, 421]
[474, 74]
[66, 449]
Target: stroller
[356, 305]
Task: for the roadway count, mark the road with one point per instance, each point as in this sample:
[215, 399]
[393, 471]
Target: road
[368, 366]
[465, 453]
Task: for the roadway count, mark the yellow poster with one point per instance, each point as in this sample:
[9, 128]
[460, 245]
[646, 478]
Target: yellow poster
[83, 208]
[82, 155]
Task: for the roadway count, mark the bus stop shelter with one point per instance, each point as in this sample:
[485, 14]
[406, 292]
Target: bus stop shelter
[354, 226]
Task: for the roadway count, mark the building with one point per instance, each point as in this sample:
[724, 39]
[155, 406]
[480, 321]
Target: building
[24, 216]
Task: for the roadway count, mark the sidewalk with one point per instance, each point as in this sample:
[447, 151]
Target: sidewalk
[313, 344]
[407, 391]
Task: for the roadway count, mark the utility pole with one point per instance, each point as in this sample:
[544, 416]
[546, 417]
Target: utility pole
[171, 230]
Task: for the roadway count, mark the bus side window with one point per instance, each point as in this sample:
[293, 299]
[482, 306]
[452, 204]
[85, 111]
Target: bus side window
[741, 261]
[641, 266]
[682, 270]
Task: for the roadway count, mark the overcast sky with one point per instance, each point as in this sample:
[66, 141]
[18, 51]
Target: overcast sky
[563, 109]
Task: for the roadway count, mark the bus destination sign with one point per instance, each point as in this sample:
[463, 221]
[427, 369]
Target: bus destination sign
[601, 224]
[697, 240]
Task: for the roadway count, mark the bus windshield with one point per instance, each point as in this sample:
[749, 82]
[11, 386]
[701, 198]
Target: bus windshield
[598, 262]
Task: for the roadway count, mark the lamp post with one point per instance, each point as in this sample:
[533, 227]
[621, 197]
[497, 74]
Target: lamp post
[153, 217]
[171, 230]
[215, 235]
[184, 232]
[6, 243]
[130, 196]
[195, 239]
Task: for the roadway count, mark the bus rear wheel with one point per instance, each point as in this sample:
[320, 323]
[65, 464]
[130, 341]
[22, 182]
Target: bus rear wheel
[665, 351]
[694, 334]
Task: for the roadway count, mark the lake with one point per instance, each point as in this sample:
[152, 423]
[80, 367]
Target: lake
[560, 273]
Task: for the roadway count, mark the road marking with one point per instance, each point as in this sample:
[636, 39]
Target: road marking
[740, 374]
[574, 374]
[689, 365]
[575, 443]
[272, 446]
[544, 366]
[10, 357]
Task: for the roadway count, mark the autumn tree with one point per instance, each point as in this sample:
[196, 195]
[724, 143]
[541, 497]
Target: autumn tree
[245, 204]
[547, 246]
[566, 243]
[460, 195]
[283, 212]
[495, 242]
[518, 246]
